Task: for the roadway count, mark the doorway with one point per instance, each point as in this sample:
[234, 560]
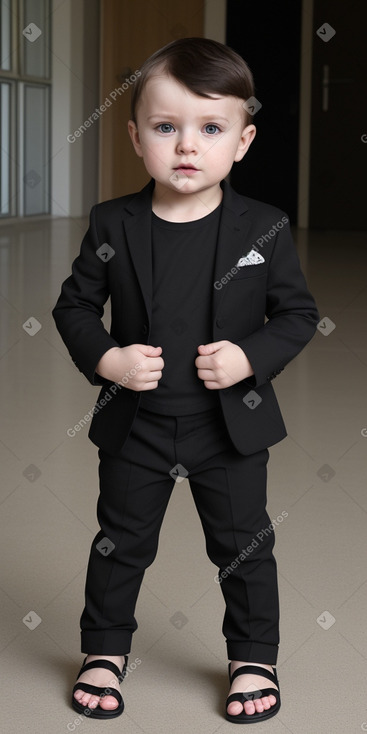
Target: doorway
[130, 32]
[337, 195]
[269, 40]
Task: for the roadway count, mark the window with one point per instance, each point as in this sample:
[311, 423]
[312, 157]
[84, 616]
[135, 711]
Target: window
[25, 96]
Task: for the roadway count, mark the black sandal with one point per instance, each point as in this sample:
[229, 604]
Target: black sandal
[98, 712]
[244, 718]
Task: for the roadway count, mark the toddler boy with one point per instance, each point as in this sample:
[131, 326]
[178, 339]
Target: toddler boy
[186, 369]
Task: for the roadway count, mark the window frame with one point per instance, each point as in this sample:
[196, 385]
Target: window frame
[18, 80]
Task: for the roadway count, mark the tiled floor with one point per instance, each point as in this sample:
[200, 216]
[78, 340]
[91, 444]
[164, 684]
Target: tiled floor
[48, 519]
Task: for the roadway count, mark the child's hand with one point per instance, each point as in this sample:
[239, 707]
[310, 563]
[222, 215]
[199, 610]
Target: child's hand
[222, 364]
[121, 362]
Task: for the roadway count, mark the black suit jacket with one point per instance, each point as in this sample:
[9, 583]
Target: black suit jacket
[242, 298]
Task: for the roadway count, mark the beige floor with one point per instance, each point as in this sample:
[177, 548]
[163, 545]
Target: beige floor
[48, 520]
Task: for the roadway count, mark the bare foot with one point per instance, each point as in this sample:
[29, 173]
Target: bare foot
[100, 677]
[248, 683]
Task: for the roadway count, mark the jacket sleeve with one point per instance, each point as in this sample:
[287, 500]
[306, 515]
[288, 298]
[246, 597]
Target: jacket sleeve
[291, 312]
[79, 309]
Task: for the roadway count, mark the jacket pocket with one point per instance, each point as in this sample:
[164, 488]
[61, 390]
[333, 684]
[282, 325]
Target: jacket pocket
[250, 271]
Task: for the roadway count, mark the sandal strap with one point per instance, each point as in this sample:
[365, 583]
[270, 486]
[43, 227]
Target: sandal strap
[253, 670]
[105, 664]
[98, 690]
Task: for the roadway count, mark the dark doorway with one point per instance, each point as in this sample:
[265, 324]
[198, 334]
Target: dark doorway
[267, 35]
[339, 116]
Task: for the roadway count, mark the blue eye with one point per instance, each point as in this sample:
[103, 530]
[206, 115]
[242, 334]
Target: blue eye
[165, 127]
[211, 129]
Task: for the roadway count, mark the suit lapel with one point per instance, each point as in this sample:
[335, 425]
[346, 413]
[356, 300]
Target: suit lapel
[232, 238]
[138, 231]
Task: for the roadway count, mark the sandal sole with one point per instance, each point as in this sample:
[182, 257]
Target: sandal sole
[97, 712]
[253, 718]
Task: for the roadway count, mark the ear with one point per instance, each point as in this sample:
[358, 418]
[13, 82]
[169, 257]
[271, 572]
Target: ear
[247, 136]
[134, 135]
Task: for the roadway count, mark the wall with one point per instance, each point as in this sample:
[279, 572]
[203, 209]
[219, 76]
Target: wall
[215, 20]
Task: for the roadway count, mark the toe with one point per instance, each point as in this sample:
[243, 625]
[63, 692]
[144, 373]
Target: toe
[79, 695]
[88, 700]
[249, 707]
[93, 702]
[235, 708]
[85, 698]
[266, 702]
[108, 702]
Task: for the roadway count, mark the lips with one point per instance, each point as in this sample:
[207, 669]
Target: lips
[185, 167]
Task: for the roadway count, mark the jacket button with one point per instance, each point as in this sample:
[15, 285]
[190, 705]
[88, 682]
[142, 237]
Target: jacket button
[144, 329]
[219, 323]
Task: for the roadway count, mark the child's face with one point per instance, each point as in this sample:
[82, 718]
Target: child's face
[178, 128]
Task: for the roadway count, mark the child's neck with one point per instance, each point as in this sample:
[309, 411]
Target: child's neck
[177, 207]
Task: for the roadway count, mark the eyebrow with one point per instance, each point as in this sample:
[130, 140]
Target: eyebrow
[163, 115]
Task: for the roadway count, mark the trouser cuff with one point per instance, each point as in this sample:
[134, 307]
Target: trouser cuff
[105, 643]
[252, 652]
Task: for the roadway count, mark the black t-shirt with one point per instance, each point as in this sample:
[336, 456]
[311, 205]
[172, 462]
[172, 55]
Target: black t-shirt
[183, 255]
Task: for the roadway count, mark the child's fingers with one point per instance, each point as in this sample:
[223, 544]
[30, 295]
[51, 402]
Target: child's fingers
[146, 349]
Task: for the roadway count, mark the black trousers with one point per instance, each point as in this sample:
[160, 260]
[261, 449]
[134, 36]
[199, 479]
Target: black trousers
[229, 491]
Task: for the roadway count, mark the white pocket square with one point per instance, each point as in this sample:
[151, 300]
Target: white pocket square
[252, 258]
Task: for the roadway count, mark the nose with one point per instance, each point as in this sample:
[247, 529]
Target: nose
[187, 143]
